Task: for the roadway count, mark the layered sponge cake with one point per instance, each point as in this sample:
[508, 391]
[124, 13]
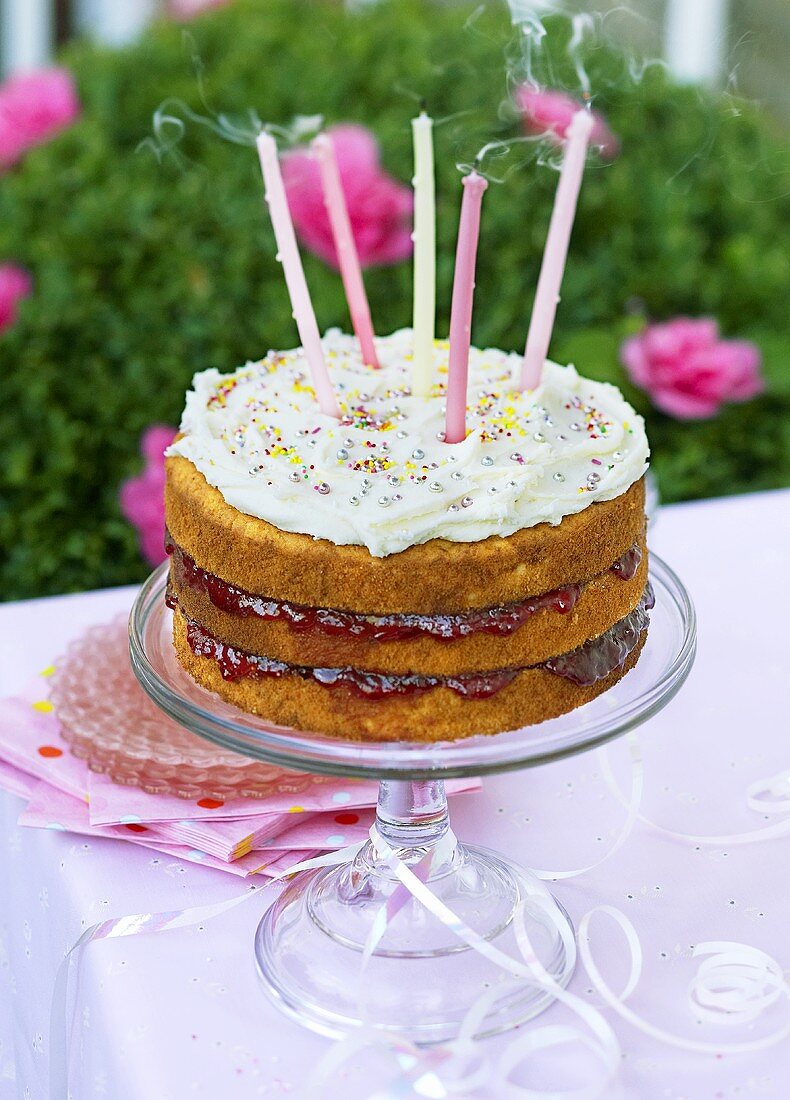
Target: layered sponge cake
[364, 579]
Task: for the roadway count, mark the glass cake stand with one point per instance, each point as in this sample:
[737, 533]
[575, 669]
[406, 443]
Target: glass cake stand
[421, 979]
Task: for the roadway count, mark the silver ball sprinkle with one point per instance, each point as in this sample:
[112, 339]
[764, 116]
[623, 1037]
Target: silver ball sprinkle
[323, 489]
[364, 397]
[492, 489]
[348, 442]
[548, 420]
[384, 502]
[487, 461]
[311, 442]
[511, 484]
[396, 497]
[418, 452]
[401, 434]
[559, 477]
[294, 477]
[539, 437]
[441, 436]
[466, 502]
[618, 456]
[516, 457]
[456, 475]
[436, 487]
[353, 501]
[393, 479]
[394, 410]
[575, 427]
[384, 448]
[342, 454]
[301, 432]
[366, 482]
[453, 508]
[594, 478]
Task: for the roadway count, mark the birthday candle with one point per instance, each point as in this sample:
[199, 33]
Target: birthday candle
[345, 246]
[552, 268]
[288, 254]
[424, 255]
[461, 313]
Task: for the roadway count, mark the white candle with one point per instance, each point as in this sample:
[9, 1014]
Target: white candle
[288, 255]
[552, 268]
[695, 40]
[424, 255]
[26, 34]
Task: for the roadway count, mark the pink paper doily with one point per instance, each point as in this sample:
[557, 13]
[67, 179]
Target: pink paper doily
[110, 722]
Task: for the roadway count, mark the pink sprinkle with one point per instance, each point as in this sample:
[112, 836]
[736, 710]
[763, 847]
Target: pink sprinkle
[596, 461]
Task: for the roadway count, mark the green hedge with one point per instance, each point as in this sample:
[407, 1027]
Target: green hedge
[148, 271]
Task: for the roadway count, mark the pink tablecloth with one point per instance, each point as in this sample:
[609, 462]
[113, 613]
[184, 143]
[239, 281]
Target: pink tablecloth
[180, 1015]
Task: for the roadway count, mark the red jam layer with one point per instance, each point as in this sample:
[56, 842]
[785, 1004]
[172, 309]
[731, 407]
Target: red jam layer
[593, 661]
[384, 628]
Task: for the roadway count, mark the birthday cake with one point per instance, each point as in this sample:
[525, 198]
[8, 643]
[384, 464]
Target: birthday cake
[363, 578]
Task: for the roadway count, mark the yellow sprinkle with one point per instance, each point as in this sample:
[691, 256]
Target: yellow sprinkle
[296, 810]
[44, 706]
[47, 671]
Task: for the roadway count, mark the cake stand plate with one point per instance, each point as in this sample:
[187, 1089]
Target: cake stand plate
[421, 979]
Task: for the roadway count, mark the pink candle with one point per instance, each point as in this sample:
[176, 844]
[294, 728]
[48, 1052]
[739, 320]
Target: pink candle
[346, 247]
[547, 294]
[289, 257]
[461, 313]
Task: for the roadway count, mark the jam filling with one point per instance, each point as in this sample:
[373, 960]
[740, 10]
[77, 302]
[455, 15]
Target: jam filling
[591, 662]
[503, 620]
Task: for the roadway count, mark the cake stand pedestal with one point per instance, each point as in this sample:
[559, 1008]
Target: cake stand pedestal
[421, 978]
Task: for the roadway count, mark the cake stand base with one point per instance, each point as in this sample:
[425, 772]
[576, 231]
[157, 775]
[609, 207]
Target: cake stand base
[421, 979]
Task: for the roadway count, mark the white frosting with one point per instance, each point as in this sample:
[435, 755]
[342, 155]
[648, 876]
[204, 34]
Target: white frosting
[259, 437]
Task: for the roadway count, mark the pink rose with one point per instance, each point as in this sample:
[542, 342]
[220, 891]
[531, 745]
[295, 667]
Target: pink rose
[15, 284]
[549, 113]
[379, 207]
[188, 9]
[34, 107]
[143, 497]
[688, 370]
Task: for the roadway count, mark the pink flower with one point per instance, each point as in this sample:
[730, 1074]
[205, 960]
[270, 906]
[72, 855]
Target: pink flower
[688, 370]
[547, 112]
[143, 497]
[379, 207]
[34, 107]
[188, 9]
[15, 284]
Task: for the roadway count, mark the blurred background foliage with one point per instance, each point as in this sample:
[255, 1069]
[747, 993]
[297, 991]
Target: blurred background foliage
[150, 268]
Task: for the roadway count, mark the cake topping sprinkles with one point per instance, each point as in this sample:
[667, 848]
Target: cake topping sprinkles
[576, 442]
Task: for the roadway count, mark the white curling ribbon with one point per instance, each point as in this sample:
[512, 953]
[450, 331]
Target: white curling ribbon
[134, 925]
[632, 815]
[778, 786]
[740, 952]
[735, 984]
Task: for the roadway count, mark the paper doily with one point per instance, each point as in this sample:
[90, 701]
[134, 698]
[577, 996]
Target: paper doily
[110, 722]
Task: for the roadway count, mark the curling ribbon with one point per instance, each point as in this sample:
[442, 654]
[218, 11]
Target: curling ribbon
[634, 802]
[735, 984]
[777, 786]
[135, 925]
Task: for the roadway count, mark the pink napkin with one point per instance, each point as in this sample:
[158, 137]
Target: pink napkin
[52, 809]
[242, 835]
